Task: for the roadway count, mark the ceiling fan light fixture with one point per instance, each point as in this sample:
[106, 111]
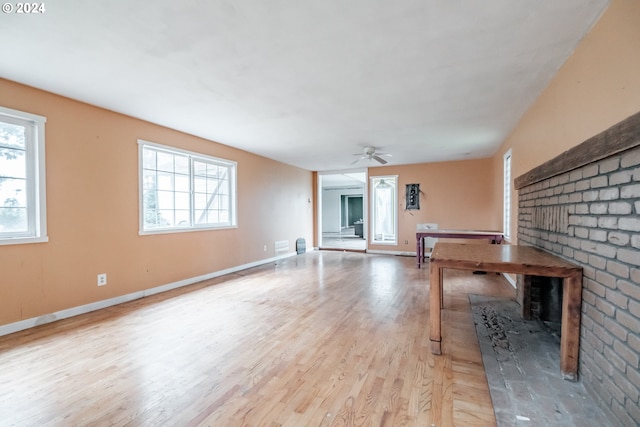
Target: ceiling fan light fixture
[370, 153]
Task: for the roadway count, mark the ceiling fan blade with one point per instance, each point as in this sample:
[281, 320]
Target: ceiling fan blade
[380, 159]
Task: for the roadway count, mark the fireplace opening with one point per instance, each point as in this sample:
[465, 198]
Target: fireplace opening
[546, 299]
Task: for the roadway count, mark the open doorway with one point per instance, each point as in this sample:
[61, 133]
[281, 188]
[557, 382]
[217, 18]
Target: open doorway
[342, 210]
[352, 211]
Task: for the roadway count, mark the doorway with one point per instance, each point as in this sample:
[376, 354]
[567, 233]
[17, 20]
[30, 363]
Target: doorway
[352, 210]
[342, 210]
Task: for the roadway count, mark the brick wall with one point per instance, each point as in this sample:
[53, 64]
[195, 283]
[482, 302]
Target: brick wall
[591, 216]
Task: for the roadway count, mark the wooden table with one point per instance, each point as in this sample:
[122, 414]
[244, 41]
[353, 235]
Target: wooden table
[493, 236]
[514, 259]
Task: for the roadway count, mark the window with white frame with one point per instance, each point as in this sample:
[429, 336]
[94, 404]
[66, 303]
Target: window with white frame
[22, 178]
[384, 221]
[506, 205]
[181, 190]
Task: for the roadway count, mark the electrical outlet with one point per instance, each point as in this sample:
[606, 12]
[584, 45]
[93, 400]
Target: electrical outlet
[102, 279]
[406, 242]
[265, 248]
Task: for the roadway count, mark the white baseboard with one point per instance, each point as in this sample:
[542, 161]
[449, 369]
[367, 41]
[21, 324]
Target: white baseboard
[397, 253]
[510, 279]
[87, 308]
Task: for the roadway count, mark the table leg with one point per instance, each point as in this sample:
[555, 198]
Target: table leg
[435, 298]
[570, 332]
[419, 250]
[441, 288]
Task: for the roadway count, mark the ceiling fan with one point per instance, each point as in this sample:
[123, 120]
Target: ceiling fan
[371, 154]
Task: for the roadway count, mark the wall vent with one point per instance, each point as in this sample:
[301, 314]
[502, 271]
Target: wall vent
[281, 247]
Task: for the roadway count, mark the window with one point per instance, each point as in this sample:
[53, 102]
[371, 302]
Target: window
[180, 190]
[22, 178]
[384, 193]
[506, 205]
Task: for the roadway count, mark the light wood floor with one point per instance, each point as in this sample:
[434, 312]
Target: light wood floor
[320, 339]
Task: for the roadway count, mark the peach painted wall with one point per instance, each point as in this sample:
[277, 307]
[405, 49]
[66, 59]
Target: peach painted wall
[92, 212]
[457, 195]
[597, 87]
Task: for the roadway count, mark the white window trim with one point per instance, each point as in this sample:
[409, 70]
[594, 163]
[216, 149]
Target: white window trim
[395, 215]
[233, 183]
[506, 197]
[36, 180]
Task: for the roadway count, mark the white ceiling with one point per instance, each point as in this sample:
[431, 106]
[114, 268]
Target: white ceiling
[304, 82]
[348, 179]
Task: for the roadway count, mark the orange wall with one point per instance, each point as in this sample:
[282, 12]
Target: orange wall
[597, 87]
[92, 212]
[457, 195]
[92, 183]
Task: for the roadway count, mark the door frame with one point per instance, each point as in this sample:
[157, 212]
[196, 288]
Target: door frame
[365, 200]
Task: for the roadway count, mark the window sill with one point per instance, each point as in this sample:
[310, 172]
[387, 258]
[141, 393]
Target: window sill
[183, 230]
[23, 240]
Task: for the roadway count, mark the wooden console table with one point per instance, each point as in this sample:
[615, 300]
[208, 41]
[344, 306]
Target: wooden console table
[514, 259]
[493, 236]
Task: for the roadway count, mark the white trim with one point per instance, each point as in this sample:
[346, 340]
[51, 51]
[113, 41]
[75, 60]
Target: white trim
[507, 189]
[23, 240]
[22, 115]
[87, 308]
[36, 178]
[510, 279]
[183, 230]
[396, 219]
[365, 200]
[41, 178]
[141, 144]
[173, 150]
[232, 167]
[384, 243]
[396, 253]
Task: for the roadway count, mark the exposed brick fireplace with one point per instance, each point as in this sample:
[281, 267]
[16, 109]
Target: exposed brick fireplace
[584, 206]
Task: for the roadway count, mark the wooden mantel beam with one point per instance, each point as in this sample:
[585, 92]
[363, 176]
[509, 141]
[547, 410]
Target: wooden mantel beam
[619, 137]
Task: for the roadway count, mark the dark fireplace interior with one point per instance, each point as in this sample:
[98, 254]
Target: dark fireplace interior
[546, 299]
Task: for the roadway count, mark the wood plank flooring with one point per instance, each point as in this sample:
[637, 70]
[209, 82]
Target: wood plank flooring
[320, 339]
